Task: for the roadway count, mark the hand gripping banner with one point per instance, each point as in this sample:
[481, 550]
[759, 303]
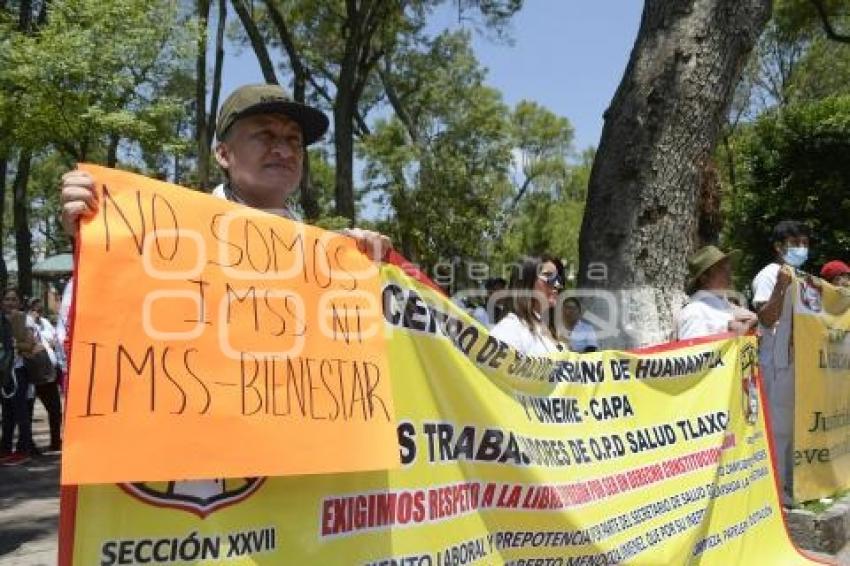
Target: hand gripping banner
[652, 457]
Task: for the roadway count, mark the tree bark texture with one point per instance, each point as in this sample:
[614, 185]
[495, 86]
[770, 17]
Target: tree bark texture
[202, 136]
[641, 218]
[309, 202]
[23, 237]
[112, 150]
[4, 165]
[25, 16]
[344, 145]
[362, 51]
[218, 66]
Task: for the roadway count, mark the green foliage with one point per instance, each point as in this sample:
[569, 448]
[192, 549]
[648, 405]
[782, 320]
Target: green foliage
[95, 70]
[795, 17]
[49, 238]
[550, 221]
[461, 175]
[444, 173]
[544, 141]
[449, 166]
[822, 72]
[793, 164]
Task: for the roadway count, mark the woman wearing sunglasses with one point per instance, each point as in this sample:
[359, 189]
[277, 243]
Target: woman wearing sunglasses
[534, 287]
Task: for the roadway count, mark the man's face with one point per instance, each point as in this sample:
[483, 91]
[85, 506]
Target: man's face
[572, 312]
[792, 242]
[263, 154]
[719, 276]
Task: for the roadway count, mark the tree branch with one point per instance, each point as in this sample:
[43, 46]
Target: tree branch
[257, 41]
[285, 38]
[363, 128]
[201, 131]
[323, 92]
[359, 120]
[395, 101]
[827, 25]
[219, 64]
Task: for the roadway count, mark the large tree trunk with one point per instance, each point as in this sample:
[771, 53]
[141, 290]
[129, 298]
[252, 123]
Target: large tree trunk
[42, 13]
[202, 136]
[25, 16]
[309, 203]
[344, 145]
[4, 165]
[363, 49]
[217, 68]
[112, 150]
[23, 237]
[640, 222]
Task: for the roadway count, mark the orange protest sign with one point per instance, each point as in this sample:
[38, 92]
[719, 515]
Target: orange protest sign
[213, 340]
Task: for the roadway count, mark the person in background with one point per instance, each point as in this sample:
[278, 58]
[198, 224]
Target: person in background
[836, 272]
[15, 394]
[8, 383]
[773, 304]
[577, 332]
[62, 332]
[48, 392]
[492, 311]
[708, 311]
[534, 287]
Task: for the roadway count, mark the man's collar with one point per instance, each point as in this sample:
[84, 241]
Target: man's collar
[225, 191]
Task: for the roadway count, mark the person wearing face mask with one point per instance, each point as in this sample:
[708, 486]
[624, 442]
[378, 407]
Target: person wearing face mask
[534, 286]
[773, 303]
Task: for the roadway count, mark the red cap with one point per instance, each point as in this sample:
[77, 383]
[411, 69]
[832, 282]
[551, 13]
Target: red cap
[833, 269]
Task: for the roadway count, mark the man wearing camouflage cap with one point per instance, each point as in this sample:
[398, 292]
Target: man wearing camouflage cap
[262, 135]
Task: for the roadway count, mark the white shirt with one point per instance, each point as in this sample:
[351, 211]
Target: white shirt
[46, 334]
[64, 312]
[286, 211]
[706, 313]
[512, 331]
[479, 313]
[582, 336]
[775, 342]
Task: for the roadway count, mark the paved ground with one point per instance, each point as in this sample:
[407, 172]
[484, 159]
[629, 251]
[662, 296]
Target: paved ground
[29, 506]
[29, 509]
[842, 559]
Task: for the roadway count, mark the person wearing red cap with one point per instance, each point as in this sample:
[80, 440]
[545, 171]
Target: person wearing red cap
[836, 272]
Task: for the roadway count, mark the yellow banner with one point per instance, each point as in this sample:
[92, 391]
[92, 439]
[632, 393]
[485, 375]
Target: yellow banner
[822, 390]
[657, 457]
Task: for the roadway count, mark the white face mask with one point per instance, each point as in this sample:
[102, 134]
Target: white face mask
[796, 256]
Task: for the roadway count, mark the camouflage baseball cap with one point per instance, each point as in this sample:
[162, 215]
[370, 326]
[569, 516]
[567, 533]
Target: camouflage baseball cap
[249, 100]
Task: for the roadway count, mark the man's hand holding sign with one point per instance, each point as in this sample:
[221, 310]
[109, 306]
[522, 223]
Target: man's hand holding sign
[215, 340]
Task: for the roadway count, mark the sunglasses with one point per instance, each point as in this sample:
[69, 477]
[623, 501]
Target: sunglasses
[551, 279]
